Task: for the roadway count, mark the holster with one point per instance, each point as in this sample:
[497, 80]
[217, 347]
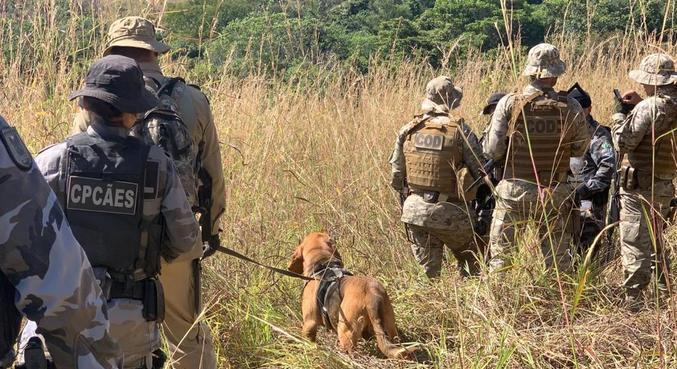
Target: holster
[153, 301]
[149, 291]
[628, 176]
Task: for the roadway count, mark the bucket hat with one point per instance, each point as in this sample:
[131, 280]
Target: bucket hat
[491, 103]
[134, 32]
[544, 61]
[656, 69]
[577, 93]
[441, 95]
[118, 80]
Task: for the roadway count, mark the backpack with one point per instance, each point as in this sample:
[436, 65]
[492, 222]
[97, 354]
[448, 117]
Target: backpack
[163, 127]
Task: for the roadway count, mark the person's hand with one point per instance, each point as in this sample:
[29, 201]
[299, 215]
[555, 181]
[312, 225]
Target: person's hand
[211, 246]
[631, 97]
[628, 101]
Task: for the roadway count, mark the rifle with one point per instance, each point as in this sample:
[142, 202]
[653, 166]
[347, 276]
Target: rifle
[614, 209]
[204, 195]
[486, 169]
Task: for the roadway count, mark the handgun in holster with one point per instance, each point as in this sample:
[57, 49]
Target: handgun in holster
[153, 301]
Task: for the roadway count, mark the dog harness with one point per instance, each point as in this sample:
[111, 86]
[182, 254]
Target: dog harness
[329, 275]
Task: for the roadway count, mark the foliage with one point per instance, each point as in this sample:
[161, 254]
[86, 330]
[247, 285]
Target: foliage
[276, 35]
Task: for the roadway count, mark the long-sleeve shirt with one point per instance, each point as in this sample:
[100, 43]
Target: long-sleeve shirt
[598, 163]
[54, 282]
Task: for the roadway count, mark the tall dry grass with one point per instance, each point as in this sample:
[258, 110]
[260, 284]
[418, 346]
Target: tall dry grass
[313, 155]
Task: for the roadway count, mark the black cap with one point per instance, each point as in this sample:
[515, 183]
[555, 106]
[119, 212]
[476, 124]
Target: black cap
[578, 93]
[492, 101]
[118, 80]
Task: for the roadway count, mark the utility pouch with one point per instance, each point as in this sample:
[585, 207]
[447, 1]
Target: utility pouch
[153, 301]
[623, 176]
[631, 179]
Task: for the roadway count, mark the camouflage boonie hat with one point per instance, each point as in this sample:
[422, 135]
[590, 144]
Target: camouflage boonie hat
[656, 70]
[134, 32]
[441, 95]
[543, 61]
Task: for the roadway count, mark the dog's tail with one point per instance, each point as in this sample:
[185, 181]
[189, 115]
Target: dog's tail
[382, 316]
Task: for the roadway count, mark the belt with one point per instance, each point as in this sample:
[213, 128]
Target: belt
[433, 197]
[122, 290]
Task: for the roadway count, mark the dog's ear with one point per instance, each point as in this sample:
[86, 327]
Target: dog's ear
[331, 242]
[296, 264]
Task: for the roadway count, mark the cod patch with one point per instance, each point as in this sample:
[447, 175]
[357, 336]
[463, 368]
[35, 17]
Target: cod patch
[428, 141]
[16, 148]
[97, 195]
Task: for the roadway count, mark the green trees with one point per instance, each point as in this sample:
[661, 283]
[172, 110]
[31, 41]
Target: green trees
[278, 35]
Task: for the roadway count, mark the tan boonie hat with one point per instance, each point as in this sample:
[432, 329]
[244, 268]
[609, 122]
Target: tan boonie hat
[134, 32]
[543, 61]
[656, 70]
[441, 95]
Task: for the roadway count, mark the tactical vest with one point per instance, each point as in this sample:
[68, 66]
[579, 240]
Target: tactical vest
[433, 153]
[107, 181]
[10, 322]
[661, 157]
[540, 139]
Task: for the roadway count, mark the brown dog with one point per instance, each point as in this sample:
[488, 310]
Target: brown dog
[354, 307]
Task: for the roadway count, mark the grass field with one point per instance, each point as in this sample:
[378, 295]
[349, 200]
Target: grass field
[312, 154]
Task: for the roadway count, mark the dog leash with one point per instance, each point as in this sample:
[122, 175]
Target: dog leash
[286, 272]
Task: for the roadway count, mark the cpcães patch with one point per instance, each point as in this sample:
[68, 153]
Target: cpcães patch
[96, 195]
[16, 148]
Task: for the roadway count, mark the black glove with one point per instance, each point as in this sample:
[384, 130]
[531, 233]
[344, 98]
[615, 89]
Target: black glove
[211, 246]
[583, 193]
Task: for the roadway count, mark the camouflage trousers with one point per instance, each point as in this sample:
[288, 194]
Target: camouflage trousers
[641, 258]
[136, 337]
[428, 249]
[518, 202]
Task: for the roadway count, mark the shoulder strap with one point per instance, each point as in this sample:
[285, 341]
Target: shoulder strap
[168, 87]
[418, 120]
[518, 105]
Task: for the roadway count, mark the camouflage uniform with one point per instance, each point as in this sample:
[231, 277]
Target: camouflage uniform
[592, 175]
[38, 254]
[163, 198]
[189, 339]
[443, 219]
[548, 199]
[654, 165]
